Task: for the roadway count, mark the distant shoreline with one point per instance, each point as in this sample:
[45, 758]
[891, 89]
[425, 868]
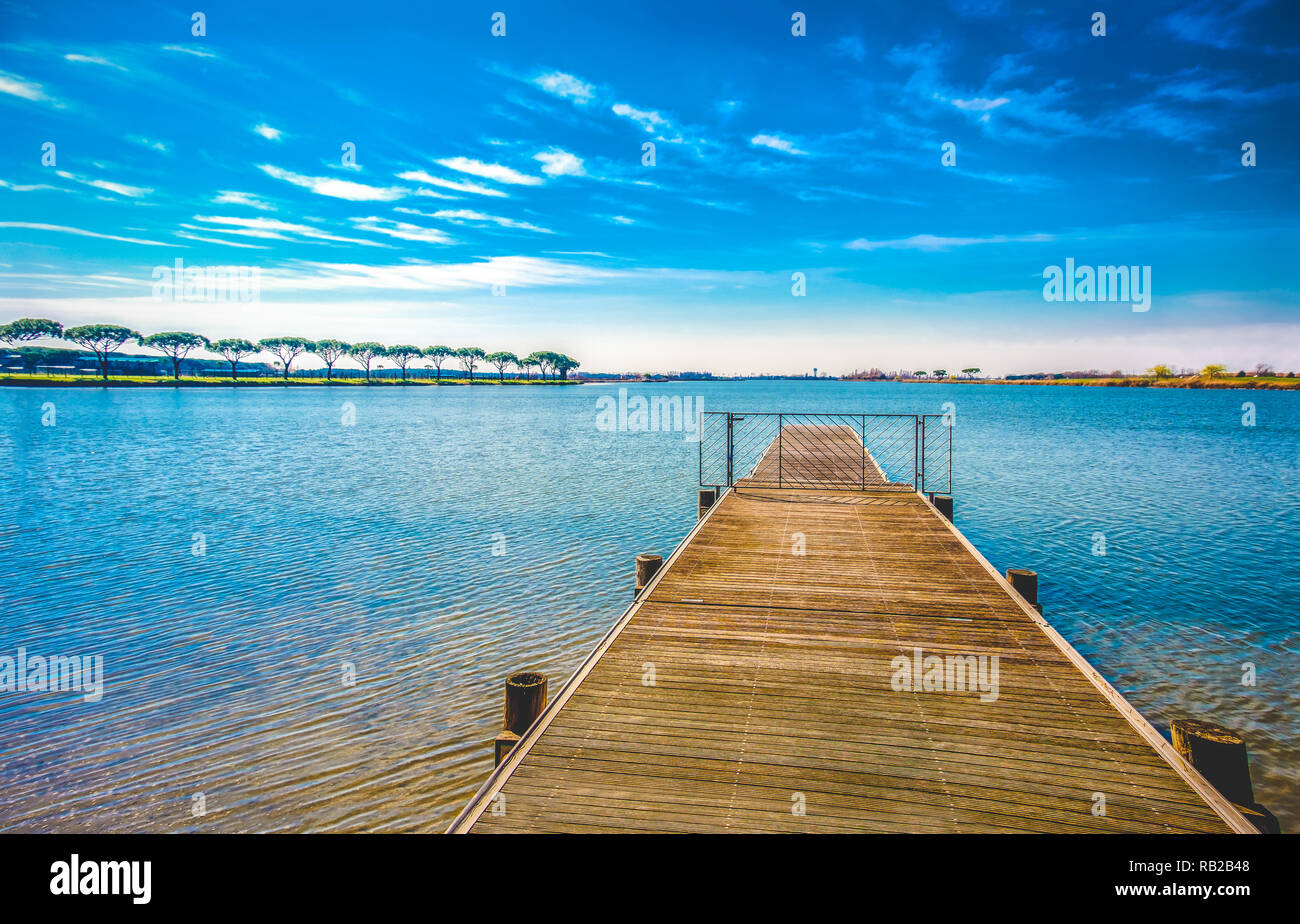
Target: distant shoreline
[1227, 382]
[1267, 383]
[61, 381]
[1270, 383]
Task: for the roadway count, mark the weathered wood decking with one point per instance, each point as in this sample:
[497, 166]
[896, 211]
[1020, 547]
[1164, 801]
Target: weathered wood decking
[755, 689]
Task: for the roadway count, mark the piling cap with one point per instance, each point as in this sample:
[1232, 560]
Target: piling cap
[525, 679]
[1208, 731]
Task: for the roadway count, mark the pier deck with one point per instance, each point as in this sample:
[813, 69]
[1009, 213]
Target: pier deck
[753, 688]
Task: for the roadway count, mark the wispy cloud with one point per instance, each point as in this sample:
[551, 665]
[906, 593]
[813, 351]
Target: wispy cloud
[402, 230]
[23, 89]
[144, 142]
[513, 271]
[566, 86]
[185, 49]
[335, 188]
[776, 143]
[851, 47]
[18, 187]
[1212, 23]
[121, 189]
[233, 197]
[421, 176]
[267, 132]
[496, 172]
[556, 162]
[272, 228]
[93, 59]
[64, 229]
[980, 104]
[930, 242]
[469, 215]
[649, 120]
[216, 240]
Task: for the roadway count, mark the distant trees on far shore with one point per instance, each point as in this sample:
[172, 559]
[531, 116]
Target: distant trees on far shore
[104, 339]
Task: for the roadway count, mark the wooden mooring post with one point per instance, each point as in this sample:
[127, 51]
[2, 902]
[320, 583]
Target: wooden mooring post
[646, 568]
[1025, 583]
[1220, 756]
[707, 498]
[525, 700]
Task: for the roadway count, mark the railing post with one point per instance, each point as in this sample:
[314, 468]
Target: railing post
[730, 447]
[864, 452]
[918, 457]
[700, 445]
[780, 431]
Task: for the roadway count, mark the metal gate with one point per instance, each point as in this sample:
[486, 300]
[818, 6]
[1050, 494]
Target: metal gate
[936, 454]
[825, 451]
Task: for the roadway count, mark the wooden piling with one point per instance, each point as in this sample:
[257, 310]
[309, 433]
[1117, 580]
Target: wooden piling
[1220, 756]
[646, 568]
[1025, 583]
[943, 503]
[707, 496]
[525, 700]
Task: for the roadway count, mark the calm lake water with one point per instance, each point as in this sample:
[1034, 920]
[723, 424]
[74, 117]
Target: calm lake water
[372, 545]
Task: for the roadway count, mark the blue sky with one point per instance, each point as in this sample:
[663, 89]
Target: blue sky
[516, 161]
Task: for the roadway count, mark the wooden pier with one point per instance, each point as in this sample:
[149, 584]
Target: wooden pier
[779, 674]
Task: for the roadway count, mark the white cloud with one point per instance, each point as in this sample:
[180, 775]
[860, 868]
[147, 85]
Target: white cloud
[93, 59]
[776, 143]
[420, 176]
[147, 142]
[622, 219]
[565, 85]
[402, 230]
[929, 242]
[189, 51]
[271, 228]
[495, 172]
[25, 89]
[980, 104]
[650, 121]
[556, 162]
[267, 132]
[135, 192]
[424, 277]
[338, 189]
[64, 229]
[463, 215]
[17, 187]
[233, 197]
[214, 240]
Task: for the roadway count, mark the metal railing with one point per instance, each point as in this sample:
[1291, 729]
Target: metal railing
[845, 452]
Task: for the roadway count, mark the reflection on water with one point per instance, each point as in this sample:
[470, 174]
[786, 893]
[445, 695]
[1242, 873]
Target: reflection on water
[304, 623]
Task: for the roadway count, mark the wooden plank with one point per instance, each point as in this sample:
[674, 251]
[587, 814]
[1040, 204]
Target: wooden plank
[756, 686]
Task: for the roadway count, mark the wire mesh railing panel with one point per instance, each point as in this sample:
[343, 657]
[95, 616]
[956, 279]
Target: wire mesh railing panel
[805, 450]
[936, 454]
[818, 451]
[714, 431]
[891, 442]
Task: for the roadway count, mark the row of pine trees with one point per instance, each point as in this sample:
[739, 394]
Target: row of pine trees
[105, 339]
